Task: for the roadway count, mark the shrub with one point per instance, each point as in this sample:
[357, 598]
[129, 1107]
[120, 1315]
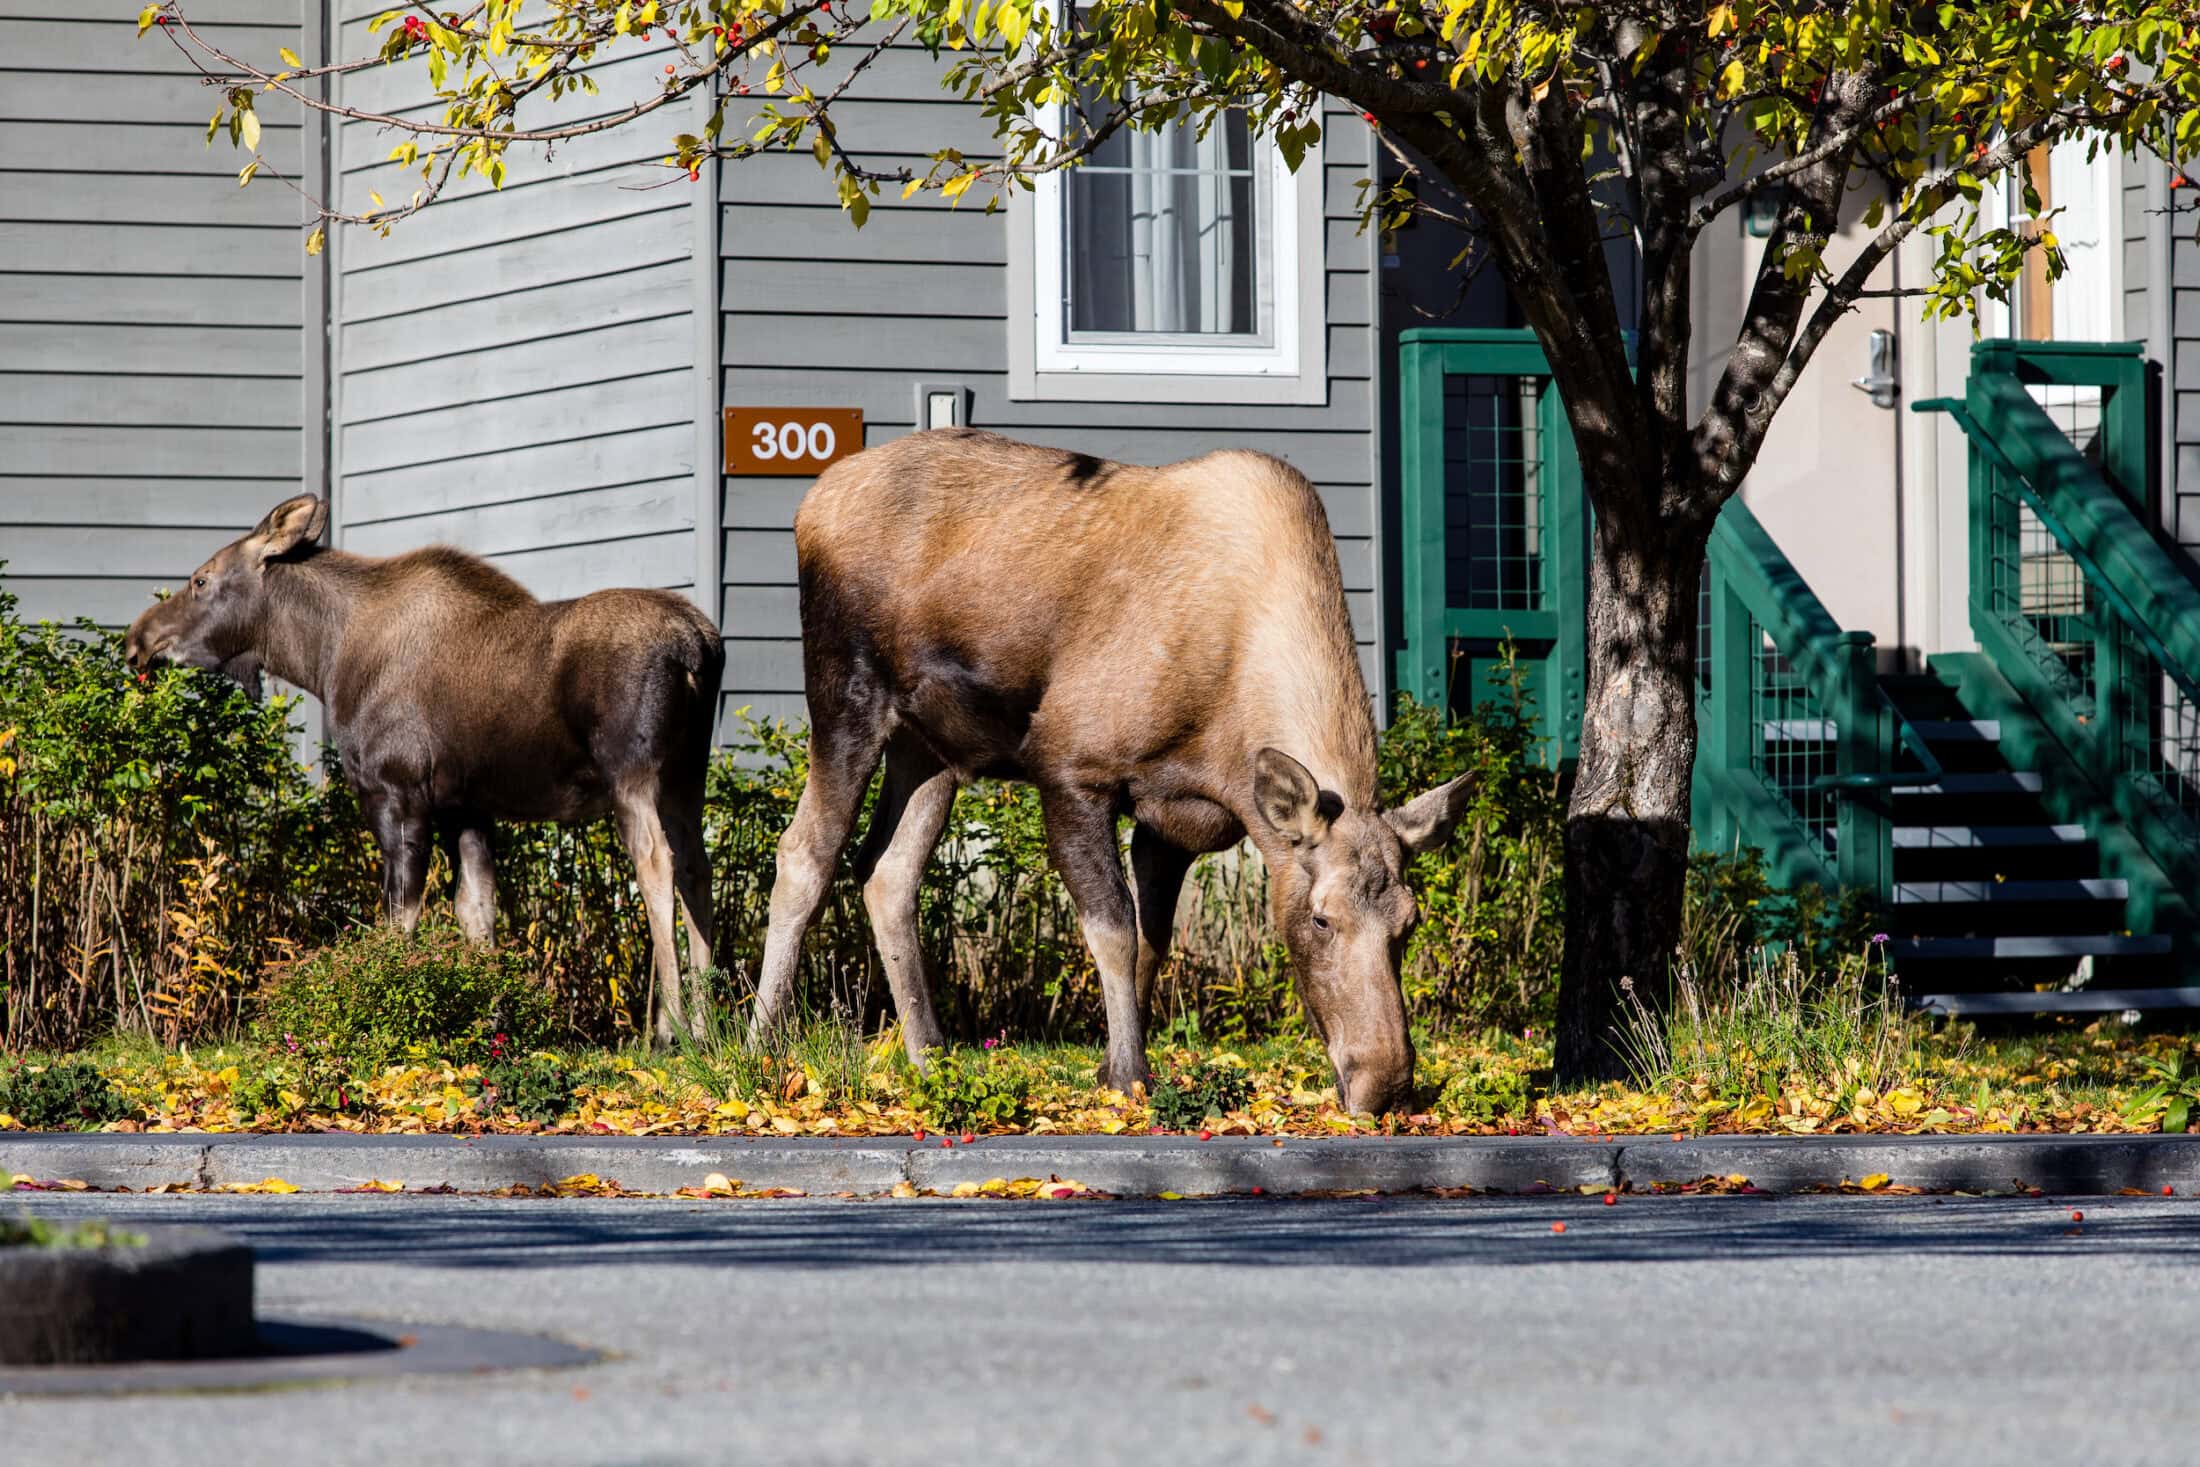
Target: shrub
[1484, 1094]
[535, 1087]
[64, 1097]
[378, 991]
[1183, 1096]
[959, 1090]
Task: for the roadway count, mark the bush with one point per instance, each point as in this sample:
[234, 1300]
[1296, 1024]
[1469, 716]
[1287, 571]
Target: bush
[964, 1091]
[374, 994]
[535, 1087]
[1485, 1094]
[1184, 1096]
[65, 1097]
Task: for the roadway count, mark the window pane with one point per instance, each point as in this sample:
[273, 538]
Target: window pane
[1162, 234]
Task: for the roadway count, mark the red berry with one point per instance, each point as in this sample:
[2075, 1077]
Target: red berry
[968, 1138]
[1421, 65]
[669, 68]
[1206, 1135]
[1611, 1199]
[947, 1143]
[1368, 118]
[2168, 1191]
[919, 1134]
[1558, 1227]
[2076, 1216]
[1256, 1191]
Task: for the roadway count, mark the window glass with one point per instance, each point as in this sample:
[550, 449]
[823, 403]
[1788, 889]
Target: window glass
[1164, 234]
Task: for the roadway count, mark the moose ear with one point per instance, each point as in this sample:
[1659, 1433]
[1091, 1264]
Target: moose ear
[1288, 799]
[1426, 821]
[296, 522]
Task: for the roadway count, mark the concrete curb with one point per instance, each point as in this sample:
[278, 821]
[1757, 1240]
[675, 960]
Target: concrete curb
[1131, 1166]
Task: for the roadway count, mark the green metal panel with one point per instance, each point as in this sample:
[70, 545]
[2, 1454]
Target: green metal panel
[1450, 649]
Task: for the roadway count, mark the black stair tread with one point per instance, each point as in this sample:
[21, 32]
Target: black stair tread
[2071, 945]
[2083, 1001]
[2062, 889]
[1973, 837]
[1958, 730]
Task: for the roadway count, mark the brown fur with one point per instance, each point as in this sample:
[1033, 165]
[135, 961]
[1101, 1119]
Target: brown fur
[1129, 640]
[456, 699]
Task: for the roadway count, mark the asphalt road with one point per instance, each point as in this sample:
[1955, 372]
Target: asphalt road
[1688, 1330]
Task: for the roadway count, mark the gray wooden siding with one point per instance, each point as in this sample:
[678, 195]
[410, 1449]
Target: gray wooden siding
[151, 341]
[816, 313]
[515, 369]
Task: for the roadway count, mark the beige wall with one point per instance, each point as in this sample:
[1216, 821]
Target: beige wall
[1825, 485]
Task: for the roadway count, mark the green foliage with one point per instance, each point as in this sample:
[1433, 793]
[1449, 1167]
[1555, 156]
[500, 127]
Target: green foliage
[1772, 1024]
[158, 840]
[36, 1232]
[535, 1087]
[1184, 1095]
[372, 995]
[1485, 1094]
[2176, 1089]
[71, 1096]
[969, 1090]
[1486, 952]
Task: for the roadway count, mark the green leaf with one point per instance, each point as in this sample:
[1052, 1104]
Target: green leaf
[2178, 1115]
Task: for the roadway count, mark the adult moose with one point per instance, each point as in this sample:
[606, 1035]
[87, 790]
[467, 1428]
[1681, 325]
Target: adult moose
[1171, 643]
[457, 699]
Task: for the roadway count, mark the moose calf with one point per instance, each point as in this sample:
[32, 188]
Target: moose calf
[456, 699]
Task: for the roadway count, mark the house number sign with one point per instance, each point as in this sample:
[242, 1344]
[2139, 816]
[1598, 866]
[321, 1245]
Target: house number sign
[793, 442]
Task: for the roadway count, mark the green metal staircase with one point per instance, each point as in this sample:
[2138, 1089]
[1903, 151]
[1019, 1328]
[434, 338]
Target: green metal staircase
[2027, 816]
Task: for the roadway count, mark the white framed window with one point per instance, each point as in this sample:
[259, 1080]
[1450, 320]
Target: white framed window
[1171, 266]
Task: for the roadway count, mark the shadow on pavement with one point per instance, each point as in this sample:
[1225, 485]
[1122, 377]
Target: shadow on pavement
[1261, 1233]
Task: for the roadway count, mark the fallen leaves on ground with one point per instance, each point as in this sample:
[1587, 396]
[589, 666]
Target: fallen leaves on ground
[2104, 1078]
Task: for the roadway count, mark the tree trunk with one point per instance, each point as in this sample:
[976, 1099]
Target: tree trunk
[1627, 826]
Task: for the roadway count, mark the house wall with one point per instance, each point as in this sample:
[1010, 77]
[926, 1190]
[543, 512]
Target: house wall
[154, 384]
[514, 371]
[819, 314]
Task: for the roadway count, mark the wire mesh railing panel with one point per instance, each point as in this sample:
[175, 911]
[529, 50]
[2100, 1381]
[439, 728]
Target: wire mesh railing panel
[1794, 739]
[2159, 738]
[1494, 511]
[2038, 593]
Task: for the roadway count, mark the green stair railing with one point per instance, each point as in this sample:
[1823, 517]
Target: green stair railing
[1797, 745]
[1494, 545]
[2073, 599]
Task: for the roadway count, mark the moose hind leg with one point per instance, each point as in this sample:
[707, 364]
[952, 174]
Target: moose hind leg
[652, 854]
[844, 749]
[1081, 839]
[477, 886]
[682, 823]
[912, 811]
[1157, 875]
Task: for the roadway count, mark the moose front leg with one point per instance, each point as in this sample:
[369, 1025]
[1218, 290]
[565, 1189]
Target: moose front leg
[401, 829]
[1081, 839]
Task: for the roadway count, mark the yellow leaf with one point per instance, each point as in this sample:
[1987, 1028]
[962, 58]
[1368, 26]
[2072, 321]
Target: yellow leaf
[1170, 1196]
[1722, 19]
[377, 198]
[965, 1189]
[718, 1184]
[1737, 1179]
[371, 1185]
[145, 17]
[290, 57]
[244, 174]
[1874, 1182]
[248, 124]
[904, 1190]
[1730, 79]
[314, 242]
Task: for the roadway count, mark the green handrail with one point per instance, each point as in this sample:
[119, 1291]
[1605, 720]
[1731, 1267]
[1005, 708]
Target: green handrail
[1758, 777]
[2109, 660]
